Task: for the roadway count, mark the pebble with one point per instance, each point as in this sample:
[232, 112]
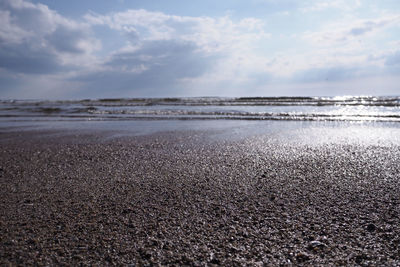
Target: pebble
[316, 244]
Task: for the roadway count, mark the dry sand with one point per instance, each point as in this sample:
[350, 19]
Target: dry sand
[179, 198]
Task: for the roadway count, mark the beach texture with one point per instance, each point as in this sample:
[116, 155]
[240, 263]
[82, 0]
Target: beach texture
[179, 198]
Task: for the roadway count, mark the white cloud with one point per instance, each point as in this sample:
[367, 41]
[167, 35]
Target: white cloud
[210, 34]
[351, 45]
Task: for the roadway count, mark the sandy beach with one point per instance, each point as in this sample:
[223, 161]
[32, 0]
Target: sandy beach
[199, 133]
[188, 198]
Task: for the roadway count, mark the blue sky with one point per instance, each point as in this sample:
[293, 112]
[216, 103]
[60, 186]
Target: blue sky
[129, 48]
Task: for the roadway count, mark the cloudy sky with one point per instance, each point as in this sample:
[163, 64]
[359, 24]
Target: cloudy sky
[74, 49]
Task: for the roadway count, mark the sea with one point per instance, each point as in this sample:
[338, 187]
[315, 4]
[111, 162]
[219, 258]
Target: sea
[339, 108]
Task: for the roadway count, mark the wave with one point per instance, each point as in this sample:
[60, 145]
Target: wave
[224, 101]
[359, 108]
[254, 101]
[210, 116]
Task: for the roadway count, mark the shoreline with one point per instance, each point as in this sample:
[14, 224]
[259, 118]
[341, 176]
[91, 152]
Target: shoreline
[198, 198]
[297, 132]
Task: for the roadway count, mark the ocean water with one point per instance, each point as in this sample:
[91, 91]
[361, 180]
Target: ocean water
[348, 108]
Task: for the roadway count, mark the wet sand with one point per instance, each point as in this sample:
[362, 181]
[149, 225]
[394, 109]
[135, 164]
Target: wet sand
[183, 198]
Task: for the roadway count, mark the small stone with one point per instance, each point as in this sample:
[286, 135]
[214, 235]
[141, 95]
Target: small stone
[315, 244]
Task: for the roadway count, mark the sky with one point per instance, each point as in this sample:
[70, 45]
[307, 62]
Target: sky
[52, 49]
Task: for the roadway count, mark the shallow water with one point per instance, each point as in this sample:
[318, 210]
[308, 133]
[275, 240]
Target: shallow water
[309, 133]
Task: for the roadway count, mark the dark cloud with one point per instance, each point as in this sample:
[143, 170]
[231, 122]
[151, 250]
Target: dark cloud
[156, 66]
[360, 31]
[24, 58]
[367, 26]
[35, 38]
